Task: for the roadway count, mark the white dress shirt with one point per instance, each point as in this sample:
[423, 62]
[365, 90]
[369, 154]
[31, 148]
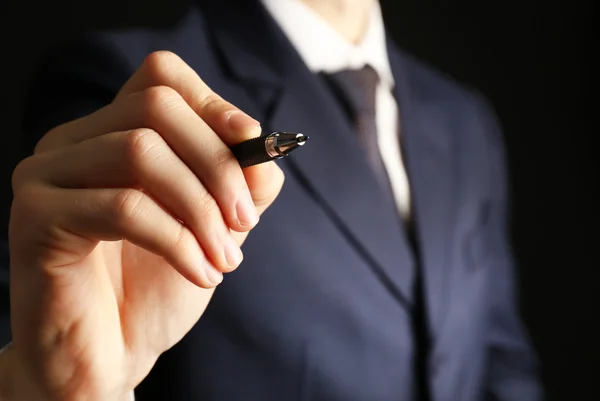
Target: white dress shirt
[323, 49]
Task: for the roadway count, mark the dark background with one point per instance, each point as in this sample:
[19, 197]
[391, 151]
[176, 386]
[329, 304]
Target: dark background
[531, 59]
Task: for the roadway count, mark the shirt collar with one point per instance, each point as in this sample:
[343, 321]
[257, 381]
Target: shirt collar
[323, 49]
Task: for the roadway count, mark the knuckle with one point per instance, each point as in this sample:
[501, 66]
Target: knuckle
[127, 206]
[160, 64]
[225, 165]
[139, 144]
[212, 101]
[183, 241]
[226, 174]
[157, 98]
[180, 239]
[206, 208]
[26, 202]
[23, 171]
[49, 138]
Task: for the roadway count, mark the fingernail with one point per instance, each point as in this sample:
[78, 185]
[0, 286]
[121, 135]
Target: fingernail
[246, 211]
[213, 275]
[240, 121]
[233, 253]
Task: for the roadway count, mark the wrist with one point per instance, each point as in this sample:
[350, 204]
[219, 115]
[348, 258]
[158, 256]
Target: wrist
[14, 384]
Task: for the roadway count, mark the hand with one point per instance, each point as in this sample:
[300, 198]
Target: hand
[122, 225]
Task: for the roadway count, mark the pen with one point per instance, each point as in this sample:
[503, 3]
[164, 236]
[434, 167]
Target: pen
[265, 148]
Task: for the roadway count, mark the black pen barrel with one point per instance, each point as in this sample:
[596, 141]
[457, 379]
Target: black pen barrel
[251, 152]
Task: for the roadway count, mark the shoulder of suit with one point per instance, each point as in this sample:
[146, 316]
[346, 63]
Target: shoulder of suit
[468, 114]
[132, 45]
[125, 49]
[429, 81]
[432, 86]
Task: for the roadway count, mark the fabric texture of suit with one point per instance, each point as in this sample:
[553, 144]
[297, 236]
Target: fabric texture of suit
[328, 316]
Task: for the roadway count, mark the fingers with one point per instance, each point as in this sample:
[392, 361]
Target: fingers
[170, 140]
[164, 68]
[231, 124]
[142, 159]
[195, 143]
[87, 216]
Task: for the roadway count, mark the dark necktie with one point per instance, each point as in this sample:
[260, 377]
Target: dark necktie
[357, 89]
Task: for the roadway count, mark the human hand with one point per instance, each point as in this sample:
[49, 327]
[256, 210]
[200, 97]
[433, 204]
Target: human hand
[122, 225]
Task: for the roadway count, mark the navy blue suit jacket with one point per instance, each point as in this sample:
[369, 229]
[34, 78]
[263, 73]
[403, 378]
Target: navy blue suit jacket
[329, 315]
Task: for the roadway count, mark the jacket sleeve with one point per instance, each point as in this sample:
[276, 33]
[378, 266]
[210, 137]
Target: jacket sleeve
[71, 81]
[512, 369]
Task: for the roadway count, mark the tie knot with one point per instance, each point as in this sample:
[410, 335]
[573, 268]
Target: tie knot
[358, 87]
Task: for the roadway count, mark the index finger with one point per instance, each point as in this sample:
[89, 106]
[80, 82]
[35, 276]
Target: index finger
[164, 68]
[232, 125]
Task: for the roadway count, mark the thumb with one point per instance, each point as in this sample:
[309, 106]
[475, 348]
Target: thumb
[264, 181]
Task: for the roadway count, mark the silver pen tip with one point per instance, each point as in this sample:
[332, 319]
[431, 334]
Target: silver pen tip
[301, 139]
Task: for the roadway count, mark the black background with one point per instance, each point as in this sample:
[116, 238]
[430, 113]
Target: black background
[530, 58]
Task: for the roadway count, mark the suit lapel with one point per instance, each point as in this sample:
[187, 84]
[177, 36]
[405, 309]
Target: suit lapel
[332, 166]
[335, 171]
[428, 155]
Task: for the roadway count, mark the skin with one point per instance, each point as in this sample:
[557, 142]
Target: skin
[90, 254]
[348, 17]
